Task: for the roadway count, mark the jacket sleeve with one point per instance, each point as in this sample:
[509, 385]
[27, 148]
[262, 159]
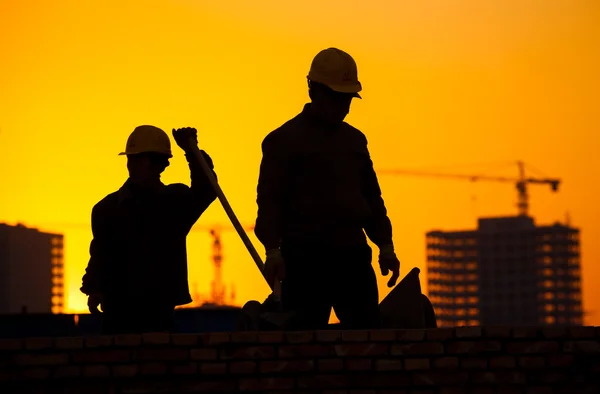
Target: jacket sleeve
[201, 193]
[93, 280]
[271, 191]
[379, 227]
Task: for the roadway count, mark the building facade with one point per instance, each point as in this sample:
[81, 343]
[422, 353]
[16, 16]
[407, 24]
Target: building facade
[31, 271]
[507, 272]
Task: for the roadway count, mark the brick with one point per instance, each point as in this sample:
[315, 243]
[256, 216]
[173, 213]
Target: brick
[296, 337]
[202, 386]
[156, 338]
[463, 347]
[322, 381]
[128, 340]
[99, 341]
[473, 363]
[363, 392]
[582, 346]
[329, 336]
[482, 390]
[358, 364]
[306, 351]
[184, 339]
[439, 378]
[396, 391]
[456, 390]
[10, 344]
[263, 384]
[388, 365]
[552, 332]
[503, 362]
[271, 337]
[532, 347]
[496, 332]
[162, 354]
[540, 390]
[153, 368]
[96, 371]
[524, 332]
[468, 332]
[248, 352]
[421, 349]
[332, 364]
[438, 334]
[242, 367]
[244, 337]
[396, 379]
[446, 363]
[35, 373]
[213, 368]
[215, 338]
[363, 349]
[67, 372]
[102, 356]
[415, 364]
[184, 369]
[125, 370]
[382, 336]
[69, 343]
[498, 377]
[297, 366]
[532, 362]
[41, 359]
[582, 332]
[203, 354]
[39, 343]
[560, 360]
[410, 335]
[509, 390]
[355, 336]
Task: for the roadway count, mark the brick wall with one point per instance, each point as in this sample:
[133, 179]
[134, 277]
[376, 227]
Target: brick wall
[461, 360]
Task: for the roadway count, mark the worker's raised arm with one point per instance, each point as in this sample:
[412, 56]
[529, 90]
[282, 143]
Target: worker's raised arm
[379, 227]
[93, 280]
[271, 190]
[197, 198]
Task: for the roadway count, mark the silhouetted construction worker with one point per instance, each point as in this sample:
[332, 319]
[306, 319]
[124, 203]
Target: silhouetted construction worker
[137, 270]
[317, 195]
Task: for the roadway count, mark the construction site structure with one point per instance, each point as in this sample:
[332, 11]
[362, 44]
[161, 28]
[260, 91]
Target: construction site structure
[520, 182]
[507, 272]
[31, 271]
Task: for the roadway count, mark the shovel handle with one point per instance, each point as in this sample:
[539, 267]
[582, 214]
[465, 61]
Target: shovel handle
[229, 211]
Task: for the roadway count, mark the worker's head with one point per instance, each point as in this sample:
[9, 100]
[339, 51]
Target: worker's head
[333, 83]
[148, 152]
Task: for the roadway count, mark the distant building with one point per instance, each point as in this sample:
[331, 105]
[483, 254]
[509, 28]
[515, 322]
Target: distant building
[507, 272]
[31, 271]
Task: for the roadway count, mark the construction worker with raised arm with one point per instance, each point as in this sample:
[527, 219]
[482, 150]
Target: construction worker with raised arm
[317, 195]
[137, 270]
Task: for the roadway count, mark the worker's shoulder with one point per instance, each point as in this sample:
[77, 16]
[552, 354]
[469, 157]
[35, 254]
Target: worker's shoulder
[354, 133]
[285, 132]
[177, 188]
[106, 202]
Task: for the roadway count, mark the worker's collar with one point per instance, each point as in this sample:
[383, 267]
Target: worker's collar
[129, 190]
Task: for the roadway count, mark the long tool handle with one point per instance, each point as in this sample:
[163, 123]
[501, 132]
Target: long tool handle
[234, 220]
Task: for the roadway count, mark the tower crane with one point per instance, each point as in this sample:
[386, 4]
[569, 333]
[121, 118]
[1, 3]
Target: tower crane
[521, 182]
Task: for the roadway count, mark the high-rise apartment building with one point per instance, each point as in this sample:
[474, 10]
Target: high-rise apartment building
[31, 271]
[507, 272]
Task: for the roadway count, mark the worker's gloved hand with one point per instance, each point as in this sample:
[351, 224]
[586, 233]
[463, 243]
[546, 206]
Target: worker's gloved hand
[274, 266]
[389, 262]
[94, 301]
[186, 138]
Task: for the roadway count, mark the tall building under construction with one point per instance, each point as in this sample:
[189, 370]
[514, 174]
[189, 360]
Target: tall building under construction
[31, 271]
[507, 272]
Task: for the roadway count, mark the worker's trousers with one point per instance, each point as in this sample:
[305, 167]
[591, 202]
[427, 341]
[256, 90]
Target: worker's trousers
[321, 276]
[129, 317]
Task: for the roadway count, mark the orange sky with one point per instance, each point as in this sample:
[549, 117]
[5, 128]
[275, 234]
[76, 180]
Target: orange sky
[445, 83]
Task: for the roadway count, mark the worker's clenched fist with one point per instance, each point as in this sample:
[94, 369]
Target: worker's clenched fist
[95, 301]
[274, 266]
[186, 138]
[388, 262]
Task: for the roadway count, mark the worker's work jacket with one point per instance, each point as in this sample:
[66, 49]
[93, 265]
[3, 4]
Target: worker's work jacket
[317, 184]
[138, 250]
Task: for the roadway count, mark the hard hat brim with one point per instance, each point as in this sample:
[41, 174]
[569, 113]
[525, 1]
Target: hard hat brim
[347, 89]
[137, 153]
